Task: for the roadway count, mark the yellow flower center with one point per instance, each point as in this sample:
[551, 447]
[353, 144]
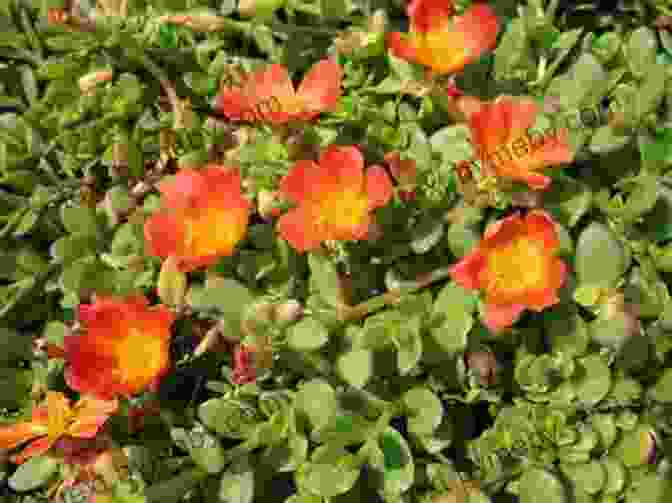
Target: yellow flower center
[213, 231]
[516, 267]
[343, 210]
[443, 50]
[60, 415]
[140, 357]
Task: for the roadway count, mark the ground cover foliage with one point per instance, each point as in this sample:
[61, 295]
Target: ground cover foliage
[335, 251]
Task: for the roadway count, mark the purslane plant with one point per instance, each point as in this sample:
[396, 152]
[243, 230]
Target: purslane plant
[313, 252]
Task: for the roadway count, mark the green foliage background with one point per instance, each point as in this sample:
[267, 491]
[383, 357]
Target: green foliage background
[390, 406]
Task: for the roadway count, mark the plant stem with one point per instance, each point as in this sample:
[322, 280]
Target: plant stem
[391, 298]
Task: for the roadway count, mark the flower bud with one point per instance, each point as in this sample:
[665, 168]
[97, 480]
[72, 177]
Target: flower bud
[259, 8]
[289, 311]
[202, 22]
[266, 203]
[484, 364]
[89, 81]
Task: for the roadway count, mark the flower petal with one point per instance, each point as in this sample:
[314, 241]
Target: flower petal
[236, 105]
[344, 167]
[37, 447]
[540, 225]
[183, 190]
[321, 87]
[467, 271]
[501, 316]
[299, 229]
[402, 46]
[16, 434]
[479, 28]
[426, 15]
[303, 182]
[379, 188]
[90, 415]
[164, 234]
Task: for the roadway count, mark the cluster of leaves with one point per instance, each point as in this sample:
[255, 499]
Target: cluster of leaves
[376, 375]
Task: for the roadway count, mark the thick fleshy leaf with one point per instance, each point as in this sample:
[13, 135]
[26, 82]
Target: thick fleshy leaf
[34, 473]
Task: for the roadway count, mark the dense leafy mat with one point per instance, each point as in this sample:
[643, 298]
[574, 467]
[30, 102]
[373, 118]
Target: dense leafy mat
[335, 251]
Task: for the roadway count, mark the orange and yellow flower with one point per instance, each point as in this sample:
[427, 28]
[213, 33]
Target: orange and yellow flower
[54, 420]
[124, 348]
[268, 95]
[501, 137]
[441, 41]
[205, 216]
[335, 199]
[515, 266]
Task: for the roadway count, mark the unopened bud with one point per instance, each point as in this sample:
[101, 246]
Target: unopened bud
[202, 22]
[57, 16]
[264, 311]
[89, 81]
[375, 232]
[141, 189]
[484, 364]
[259, 8]
[266, 203]
[289, 311]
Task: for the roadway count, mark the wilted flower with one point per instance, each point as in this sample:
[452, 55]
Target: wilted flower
[54, 420]
[268, 94]
[516, 267]
[244, 370]
[335, 198]
[124, 349]
[204, 21]
[205, 217]
[252, 8]
[89, 81]
[500, 133]
[441, 41]
[405, 173]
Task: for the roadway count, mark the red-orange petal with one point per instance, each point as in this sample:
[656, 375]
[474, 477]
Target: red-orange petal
[303, 182]
[501, 316]
[479, 27]
[298, 227]
[183, 190]
[35, 448]
[539, 224]
[379, 188]
[402, 46]
[426, 15]
[321, 87]
[90, 415]
[164, 234]
[342, 168]
[467, 271]
[16, 434]
[236, 106]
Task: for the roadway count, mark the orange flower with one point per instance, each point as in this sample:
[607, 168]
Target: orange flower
[55, 420]
[502, 141]
[443, 42]
[205, 217]
[268, 94]
[515, 265]
[334, 199]
[124, 348]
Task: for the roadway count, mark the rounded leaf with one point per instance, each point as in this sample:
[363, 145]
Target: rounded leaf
[34, 473]
[331, 471]
[424, 410]
[592, 380]
[307, 335]
[600, 259]
[355, 367]
[538, 485]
